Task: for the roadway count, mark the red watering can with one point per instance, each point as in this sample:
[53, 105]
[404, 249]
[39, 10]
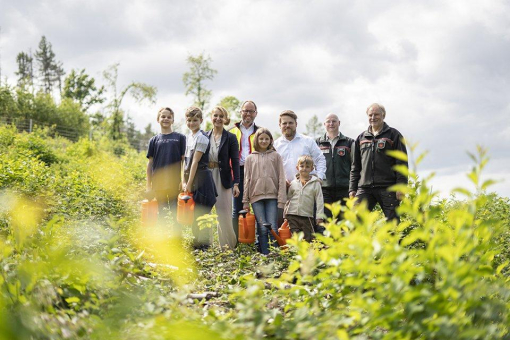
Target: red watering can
[284, 232]
[149, 213]
[246, 227]
[185, 208]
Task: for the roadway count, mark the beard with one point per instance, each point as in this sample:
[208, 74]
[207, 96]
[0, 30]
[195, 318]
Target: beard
[289, 133]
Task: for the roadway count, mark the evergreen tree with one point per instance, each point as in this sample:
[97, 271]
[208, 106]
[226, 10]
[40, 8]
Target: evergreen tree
[50, 71]
[133, 135]
[58, 73]
[46, 59]
[200, 71]
[25, 71]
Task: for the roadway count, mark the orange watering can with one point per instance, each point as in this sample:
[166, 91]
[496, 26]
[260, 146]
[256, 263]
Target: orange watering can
[284, 232]
[185, 208]
[149, 213]
[246, 227]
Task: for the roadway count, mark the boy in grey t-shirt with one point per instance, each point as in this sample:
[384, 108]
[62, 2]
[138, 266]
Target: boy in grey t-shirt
[197, 177]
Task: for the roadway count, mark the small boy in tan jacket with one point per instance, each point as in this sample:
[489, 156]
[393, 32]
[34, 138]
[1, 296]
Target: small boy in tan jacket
[304, 191]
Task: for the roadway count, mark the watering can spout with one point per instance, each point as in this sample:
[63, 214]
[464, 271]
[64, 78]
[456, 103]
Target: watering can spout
[281, 242]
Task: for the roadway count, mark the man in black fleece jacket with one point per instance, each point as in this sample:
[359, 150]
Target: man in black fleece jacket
[372, 168]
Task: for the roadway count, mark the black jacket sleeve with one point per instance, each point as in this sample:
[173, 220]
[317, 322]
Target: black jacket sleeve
[355, 166]
[234, 156]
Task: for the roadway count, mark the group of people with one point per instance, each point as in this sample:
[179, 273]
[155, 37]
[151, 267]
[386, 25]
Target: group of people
[288, 178]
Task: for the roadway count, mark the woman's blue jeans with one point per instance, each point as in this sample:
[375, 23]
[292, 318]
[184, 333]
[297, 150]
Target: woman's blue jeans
[265, 212]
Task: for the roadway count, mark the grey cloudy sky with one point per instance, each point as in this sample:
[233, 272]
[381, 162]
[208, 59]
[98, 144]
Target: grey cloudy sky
[441, 68]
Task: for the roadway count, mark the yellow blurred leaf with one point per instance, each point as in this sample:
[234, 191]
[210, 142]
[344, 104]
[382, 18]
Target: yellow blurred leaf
[402, 156]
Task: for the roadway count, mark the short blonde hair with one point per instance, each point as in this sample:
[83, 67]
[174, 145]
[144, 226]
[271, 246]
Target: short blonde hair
[163, 109]
[193, 112]
[307, 160]
[261, 131]
[226, 116]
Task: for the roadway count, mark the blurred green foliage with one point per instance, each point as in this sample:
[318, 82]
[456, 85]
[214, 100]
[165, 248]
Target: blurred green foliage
[74, 262]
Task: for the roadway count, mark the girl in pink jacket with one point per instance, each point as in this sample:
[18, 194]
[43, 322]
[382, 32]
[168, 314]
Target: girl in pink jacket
[264, 185]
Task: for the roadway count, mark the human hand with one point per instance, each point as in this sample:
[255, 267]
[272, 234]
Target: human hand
[319, 221]
[236, 191]
[184, 186]
[352, 194]
[400, 195]
[149, 194]
[246, 207]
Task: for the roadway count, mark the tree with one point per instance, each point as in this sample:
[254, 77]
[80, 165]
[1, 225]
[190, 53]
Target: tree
[81, 88]
[199, 72]
[313, 127]
[98, 123]
[139, 91]
[50, 71]
[71, 121]
[58, 73]
[25, 71]
[134, 136]
[8, 105]
[146, 135]
[233, 105]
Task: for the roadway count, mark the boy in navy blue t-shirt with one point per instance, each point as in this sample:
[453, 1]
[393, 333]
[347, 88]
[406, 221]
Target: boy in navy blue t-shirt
[166, 154]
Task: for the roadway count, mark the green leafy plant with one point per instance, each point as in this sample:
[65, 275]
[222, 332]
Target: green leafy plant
[75, 262]
[370, 280]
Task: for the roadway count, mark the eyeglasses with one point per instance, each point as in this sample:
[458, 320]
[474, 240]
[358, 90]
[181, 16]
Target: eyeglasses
[248, 111]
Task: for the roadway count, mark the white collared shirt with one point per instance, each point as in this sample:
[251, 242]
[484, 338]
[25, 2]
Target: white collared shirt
[245, 141]
[291, 150]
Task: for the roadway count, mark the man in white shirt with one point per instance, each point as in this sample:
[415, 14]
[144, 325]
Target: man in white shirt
[292, 145]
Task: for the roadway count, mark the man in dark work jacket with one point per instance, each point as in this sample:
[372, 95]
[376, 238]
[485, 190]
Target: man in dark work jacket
[336, 148]
[372, 168]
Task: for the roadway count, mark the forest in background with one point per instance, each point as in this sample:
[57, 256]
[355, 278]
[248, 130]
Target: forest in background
[74, 105]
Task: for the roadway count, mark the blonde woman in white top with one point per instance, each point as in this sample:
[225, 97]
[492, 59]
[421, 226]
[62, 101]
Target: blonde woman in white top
[224, 164]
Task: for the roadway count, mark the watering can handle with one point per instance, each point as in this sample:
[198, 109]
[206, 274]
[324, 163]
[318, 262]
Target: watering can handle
[186, 197]
[244, 213]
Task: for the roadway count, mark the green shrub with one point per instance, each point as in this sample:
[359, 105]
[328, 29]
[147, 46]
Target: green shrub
[370, 280]
[73, 263]
[36, 147]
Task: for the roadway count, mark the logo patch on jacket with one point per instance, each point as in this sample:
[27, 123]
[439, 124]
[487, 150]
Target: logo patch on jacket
[381, 143]
[340, 151]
